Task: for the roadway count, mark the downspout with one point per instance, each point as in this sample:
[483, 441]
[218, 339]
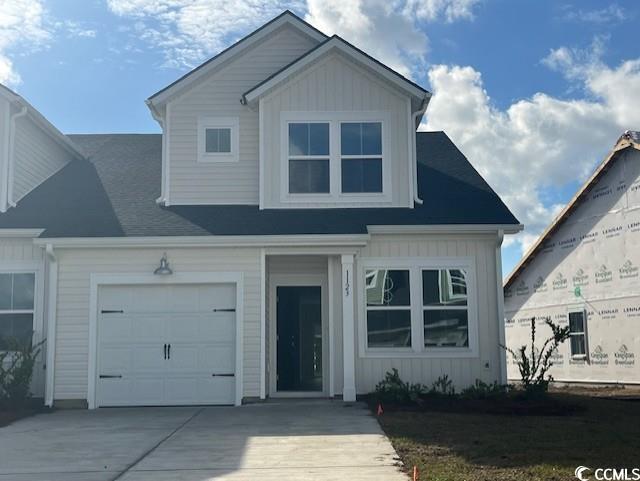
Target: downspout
[414, 155]
[158, 118]
[500, 309]
[52, 298]
[10, 160]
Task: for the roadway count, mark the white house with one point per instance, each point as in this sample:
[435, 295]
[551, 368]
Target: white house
[584, 272]
[288, 234]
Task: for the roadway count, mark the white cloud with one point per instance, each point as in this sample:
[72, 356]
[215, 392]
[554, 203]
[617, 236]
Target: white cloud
[610, 14]
[21, 30]
[537, 143]
[450, 10]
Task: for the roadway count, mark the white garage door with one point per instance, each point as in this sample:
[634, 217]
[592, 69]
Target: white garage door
[166, 345]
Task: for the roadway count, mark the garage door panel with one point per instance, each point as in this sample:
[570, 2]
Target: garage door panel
[217, 359]
[219, 390]
[217, 297]
[114, 327]
[148, 358]
[112, 392]
[115, 360]
[182, 390]
[148, 390]
[220, 326]
[147, 327]
[184, 357]
[185, 326]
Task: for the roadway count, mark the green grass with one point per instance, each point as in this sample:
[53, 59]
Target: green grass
[453, 446]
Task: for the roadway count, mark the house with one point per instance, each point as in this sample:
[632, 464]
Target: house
[288, 234]
[584, 272]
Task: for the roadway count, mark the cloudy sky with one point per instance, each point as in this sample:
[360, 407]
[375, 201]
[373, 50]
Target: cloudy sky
[533, 92]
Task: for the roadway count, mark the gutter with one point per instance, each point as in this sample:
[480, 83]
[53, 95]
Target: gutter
[10, 159]
[500, 309]
[161, 121]
[52, 284]
[414, 155]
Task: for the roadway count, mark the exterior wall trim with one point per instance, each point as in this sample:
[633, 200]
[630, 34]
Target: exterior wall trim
[24, 233]
[446, 229]
[97, 280]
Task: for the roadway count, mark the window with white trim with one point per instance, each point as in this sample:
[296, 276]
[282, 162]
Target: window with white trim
[388, 306]
[17, 292]
[218, 139]
[445, 309]
[577, 333]
[361, 157]
[308, 157]
[419, 306]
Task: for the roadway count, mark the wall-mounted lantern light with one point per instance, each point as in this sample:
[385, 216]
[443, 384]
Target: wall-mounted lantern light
[163, 269]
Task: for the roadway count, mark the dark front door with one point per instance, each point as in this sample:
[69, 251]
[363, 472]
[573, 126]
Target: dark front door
[299, 335]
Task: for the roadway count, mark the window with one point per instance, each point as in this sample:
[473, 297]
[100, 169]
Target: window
[388, 306]
[577, 333]
[309, 158]
[218, 139]
[361, 156]
[445, 308]
[16, 307]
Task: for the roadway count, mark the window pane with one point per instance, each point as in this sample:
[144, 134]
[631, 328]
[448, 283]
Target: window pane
[23, 285]
[309, 176]
[318, 139]
[361, 175]
[576, 321]
[577, 345]
[372, 138]
[224, 140]
[298, 139]
[444, 287]
[212, 144]
[5, 291]
[389, 328]
[350, 139]
[15, 326]
[446, 328]
[388, 288]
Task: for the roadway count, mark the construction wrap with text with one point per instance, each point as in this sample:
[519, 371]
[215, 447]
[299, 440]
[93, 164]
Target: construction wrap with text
[591, 263]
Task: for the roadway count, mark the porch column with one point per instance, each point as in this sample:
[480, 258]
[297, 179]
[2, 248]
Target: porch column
[348, 335]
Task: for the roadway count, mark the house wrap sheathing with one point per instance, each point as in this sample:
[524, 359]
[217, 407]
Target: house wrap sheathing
[587, 261]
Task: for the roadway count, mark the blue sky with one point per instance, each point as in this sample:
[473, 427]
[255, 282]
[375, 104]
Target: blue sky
[533, 92]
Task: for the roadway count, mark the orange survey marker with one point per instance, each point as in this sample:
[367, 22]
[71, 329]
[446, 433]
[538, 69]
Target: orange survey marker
[380, 411]
[415, 473]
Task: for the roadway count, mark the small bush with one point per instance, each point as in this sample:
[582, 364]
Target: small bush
[394, 390]
[482, 390]
[16, 371]
[443, 386]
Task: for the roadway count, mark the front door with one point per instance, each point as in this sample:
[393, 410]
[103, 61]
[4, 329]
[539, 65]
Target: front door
[299, 338]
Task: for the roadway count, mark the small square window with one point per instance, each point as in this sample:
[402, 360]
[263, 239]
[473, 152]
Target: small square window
[218, 141]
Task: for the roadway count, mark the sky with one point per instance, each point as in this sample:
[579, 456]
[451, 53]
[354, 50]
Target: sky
[534, 93]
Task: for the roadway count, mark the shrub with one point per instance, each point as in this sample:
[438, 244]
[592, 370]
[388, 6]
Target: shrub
[533, 366]
[442, 386]
[394, 390]
[482, 390]
[16, 371]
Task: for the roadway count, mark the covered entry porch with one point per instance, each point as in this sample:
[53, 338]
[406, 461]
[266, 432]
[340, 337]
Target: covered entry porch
[308, 323]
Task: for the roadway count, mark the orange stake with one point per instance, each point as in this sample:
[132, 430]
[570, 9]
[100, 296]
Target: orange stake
[415, 473]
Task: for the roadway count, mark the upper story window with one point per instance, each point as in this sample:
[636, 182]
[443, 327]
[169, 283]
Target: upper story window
[16, 307]
[218, 139]
[334, 156]
[309, 158]
[361, 156]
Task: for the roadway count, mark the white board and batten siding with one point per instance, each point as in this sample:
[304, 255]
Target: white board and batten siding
[20, 254]
[75, 268]
[37, 156]
[463, 371]
[334, 84]
[193, 182]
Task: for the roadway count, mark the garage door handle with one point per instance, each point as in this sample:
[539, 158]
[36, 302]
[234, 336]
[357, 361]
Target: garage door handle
[223, 375]
[110, 376]
[168, 351]
[224, 310]
[165, 351]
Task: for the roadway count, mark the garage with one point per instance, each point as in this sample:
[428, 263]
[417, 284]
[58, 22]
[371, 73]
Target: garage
[167, 344]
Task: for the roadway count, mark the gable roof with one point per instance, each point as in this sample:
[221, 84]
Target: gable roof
[286, 17]
[335, 43]
[114, 195]
[630, 139]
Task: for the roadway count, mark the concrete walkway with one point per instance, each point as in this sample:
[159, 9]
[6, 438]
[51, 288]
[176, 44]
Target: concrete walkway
[289, 440]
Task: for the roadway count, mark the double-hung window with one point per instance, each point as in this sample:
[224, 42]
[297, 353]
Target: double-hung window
[388, 298]
[425, 306]
[308, 157]
[17, 292]
[577, 333]
[361, 157]
[445, 308]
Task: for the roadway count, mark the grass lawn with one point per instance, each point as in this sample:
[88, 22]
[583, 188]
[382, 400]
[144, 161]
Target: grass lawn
[488, 447]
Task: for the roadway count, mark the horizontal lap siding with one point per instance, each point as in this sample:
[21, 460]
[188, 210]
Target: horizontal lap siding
[37, 157]
[219, 96]
[335, 83]
[463, 372]
[75, 268]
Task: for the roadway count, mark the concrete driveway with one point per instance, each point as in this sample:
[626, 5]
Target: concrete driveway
[289, 440]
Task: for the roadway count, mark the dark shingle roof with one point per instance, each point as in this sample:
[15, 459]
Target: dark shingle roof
[114, 194]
